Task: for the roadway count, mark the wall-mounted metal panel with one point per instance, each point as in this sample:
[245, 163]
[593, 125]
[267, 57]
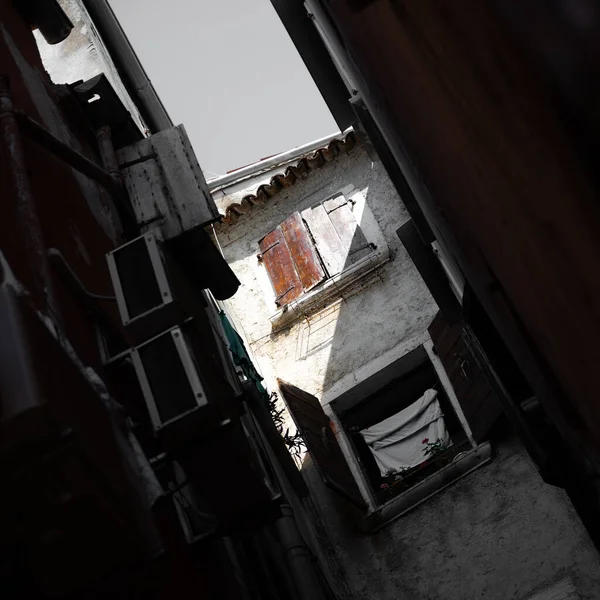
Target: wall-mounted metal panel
[165, 183]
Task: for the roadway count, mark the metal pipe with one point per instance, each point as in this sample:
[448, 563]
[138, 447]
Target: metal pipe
[26, 214]
[129, 66]
[298, 557]
[111, 181]
[47, 140]
[108, 154]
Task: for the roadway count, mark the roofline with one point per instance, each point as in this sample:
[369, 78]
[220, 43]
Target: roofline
[261, 166]
[131, 70]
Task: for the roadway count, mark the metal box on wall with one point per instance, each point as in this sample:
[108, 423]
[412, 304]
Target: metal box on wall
[144, 294]
[165, 183]
[168, 376]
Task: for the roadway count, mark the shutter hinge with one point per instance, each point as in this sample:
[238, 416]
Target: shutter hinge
[260, 256]
[282, 295]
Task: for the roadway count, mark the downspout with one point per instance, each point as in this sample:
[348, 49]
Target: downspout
[298, 557]
[129, 66]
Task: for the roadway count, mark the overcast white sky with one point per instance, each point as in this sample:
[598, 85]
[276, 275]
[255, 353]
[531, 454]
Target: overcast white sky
[228, 71]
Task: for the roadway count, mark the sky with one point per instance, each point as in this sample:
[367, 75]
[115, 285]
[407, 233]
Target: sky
[228, 71]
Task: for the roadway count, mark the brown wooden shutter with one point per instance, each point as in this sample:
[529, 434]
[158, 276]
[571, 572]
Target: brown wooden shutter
[291, 260]
[320, 441]
[477, 400]
[280, 266]
[304, 255]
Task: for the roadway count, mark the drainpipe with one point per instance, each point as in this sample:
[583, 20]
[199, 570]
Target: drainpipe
[298, 557]
[108, 154]
[24, 203]
[129, 66]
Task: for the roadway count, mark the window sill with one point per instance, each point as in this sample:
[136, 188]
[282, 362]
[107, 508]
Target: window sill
[330, 290]
[411, 498]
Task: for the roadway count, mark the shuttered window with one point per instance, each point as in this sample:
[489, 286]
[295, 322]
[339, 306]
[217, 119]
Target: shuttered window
[321, 442]
[312, 246]
[478, 401]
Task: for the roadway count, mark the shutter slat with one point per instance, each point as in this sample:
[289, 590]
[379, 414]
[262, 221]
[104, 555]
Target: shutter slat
[321, 442]
[278, 261]
[334, 203]
[354, 243]
[306, 260]
[327, 240]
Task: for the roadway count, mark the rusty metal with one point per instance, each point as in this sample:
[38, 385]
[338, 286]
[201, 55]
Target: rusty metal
[108, 155]
[27, 217]
[38, 134]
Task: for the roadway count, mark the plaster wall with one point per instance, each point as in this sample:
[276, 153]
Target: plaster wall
[500, 533]
[385, 317]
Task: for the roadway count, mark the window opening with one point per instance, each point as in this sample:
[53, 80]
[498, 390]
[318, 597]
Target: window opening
[405, 432]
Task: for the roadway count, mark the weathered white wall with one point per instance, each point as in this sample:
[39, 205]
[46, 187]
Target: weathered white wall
[500, 533]
[358, 334]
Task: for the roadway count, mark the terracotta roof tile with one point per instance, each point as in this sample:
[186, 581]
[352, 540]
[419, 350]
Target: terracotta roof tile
[290, 176]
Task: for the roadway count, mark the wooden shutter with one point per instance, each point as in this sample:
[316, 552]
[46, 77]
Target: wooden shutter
[291, 260]
[330, 246]
[320, 441]
[477, 400]
[338, 236]
[302, 250]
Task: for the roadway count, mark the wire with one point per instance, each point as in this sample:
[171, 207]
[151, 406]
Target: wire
[56, 254]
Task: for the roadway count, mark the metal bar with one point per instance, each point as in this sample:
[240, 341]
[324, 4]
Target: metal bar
[111, 181]
[27, 218]
[108, 155]
[137, 161]
[58, 148]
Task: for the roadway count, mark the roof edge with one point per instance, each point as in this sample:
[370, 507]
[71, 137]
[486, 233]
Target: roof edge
[299, 169]
[254, 169]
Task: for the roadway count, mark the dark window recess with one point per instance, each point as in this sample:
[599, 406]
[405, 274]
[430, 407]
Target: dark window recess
[399, 394]
[137, 277]
[392, 398]
[168, 380]
[309, 247]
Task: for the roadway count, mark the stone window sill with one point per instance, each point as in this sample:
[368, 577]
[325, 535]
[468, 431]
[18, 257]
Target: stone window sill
[329, 290]
[411, 498]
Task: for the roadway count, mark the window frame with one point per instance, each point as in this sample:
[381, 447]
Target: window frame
[332, 287]
[379, 514]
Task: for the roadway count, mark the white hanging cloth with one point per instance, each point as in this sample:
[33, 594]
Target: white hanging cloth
[397, 442]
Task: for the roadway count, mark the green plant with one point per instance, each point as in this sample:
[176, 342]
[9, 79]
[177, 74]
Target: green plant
[433, 449]
[294, 441]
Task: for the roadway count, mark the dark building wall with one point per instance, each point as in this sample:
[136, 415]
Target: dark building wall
[77, 216]
[500, 173]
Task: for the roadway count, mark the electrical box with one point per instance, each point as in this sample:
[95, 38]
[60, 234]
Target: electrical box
[165, 183]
